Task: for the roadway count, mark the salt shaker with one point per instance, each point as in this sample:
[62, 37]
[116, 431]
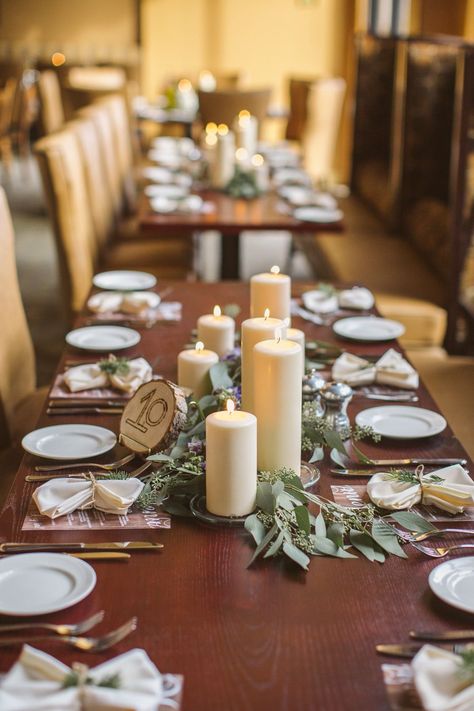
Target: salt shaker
[335, 397]
[312, 384]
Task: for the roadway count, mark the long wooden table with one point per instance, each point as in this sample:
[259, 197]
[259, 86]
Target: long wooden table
[268, 637]
[230, 217]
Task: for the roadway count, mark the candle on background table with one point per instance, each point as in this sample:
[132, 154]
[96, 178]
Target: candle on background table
[231, 462]
[222, 167]
[294, 334]
[217, 331]
[261, 171]
[245, 127]
[193, 369]
[254, 330]
[207, 80]
[271, 290]
[242, 159]
[278, 403]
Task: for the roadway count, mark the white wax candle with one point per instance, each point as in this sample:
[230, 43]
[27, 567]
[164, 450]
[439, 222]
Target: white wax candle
[261, 171]
[270, 291]
[222, 167]
[193, 369]
[278, 403]
[294, 334]
[246, 131]
[216, 331]
[231, 463]
[254, 330]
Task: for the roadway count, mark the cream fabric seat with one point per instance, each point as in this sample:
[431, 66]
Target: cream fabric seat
[51, 105]
[320, 134]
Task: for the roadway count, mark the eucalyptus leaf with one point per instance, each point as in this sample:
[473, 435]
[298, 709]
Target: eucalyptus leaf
[342, 460]
[412, 521]
[335, 531]
[220, 377]
[320, 526]
[275, 546]
[387, 539]
[159, 458]
[364, 543]
[302, 518]
[361, 457]
[317, 456]
[255, 527]
[232, 310]
[334, 440]
[297, 555]
[265, 497]
[263, 543]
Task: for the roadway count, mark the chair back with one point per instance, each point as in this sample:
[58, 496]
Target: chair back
[51, 105]
[299, 90]
[326, 99]
[7, 102]
[64, 183]
[17, 362]
[224, 106]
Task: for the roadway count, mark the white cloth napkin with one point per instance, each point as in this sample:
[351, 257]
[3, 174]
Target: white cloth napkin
[133, 302]
[390, 369]
[438, 681]
[59, 497]
[452, 494]
[35, 683]
[320, 301]
[88, 377]
[356, 298]
[105, 301]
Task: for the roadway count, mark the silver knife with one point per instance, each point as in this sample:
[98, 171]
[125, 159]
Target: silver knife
[442, 461]
[408, 651]
[349, 472]
[104, 546]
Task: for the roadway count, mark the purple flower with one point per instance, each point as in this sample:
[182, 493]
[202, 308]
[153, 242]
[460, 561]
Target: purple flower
[195, 445]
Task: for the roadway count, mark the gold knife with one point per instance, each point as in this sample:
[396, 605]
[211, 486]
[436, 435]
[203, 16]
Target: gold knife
[440, 636]
[408, 651]
[65, 547]
[84, 411]
[111, 555]
[441, 461]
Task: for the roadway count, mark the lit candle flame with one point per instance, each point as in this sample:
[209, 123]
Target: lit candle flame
[184, 85]
[257, 160]
[217, 311]
[275, 270]
[199, 346]
[222, 129]
[266, 314]
[211, 127]
[278, 335]
[241, 154]
[230, 406]
[244, 117]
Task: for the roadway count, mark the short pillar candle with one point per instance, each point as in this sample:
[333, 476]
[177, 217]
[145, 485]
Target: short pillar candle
[193, 369]
[231, 462]
[278, 404]
[270, 290]
[217, 331]
[297, 336]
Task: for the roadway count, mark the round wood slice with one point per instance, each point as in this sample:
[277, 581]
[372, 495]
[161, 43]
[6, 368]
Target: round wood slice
[153, 418]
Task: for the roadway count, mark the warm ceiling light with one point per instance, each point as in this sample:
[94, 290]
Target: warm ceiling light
[58, 59]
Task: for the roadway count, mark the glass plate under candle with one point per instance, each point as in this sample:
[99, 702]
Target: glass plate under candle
[199, 510]
[309, 475]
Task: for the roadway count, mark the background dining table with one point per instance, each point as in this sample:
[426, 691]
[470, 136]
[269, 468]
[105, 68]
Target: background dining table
[268, 636]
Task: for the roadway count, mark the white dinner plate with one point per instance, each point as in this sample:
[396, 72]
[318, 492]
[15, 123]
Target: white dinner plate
[172, 192]
[317, 214]
[453, 582]
[69, 441]
[122, 280]
[40, 583]
[402, 421]
[103, 338]
[368, 328]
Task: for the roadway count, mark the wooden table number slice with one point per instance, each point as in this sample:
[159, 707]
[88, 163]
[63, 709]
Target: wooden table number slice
[153, 418]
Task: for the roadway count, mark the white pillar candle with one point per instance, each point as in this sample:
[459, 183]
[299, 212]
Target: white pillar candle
[231, 462]
[222, 167]
[278, 403]
[216, 331]
[254, 330]
[261, 171]
[271, 291]
[193, 369]
[246, 131]
[297, 336]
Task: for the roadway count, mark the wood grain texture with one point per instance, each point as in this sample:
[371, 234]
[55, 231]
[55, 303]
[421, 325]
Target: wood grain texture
[269, 637]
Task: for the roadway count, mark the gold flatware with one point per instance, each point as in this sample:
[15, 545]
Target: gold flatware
[87, 402]
[353, 472]
[440, 532]
[100, 556]
[47, 477]
[441, 461]
[84, 411]
[77, 628]
[79, 546]
[440, 551]
[408, 651]
[108, 467]
[130, 323]
[440, 636]
[86, 644]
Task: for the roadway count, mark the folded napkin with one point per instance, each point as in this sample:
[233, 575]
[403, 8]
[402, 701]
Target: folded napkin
[36, 683]
[59, 497]
[450, 489]
[320, 301]
[440, 682]
[390, 369]
[133, 302]
[105, 301]
[88, 377]
[356, 298]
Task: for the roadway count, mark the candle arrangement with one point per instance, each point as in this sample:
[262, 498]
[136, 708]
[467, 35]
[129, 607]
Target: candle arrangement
[271, 290]
[246, 131]
[216, 331]
[222, 165]
[193, 369]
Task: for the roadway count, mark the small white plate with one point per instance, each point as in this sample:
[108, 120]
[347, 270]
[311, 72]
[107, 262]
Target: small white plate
[103, 338]
[40, 583]
[69, 442]
[368, 328]
[453, 582]
[291, 177]
[317, 214]
[402, 421]
[124, 281]
[172, 192]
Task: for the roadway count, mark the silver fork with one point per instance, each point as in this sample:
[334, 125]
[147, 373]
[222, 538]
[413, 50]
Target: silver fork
[440, 551]
[86, 644]
[47, 477]
[107, 467]
[65, 629]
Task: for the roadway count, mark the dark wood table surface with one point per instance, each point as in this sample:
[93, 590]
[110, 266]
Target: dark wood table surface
[230, 217]
[268, 637]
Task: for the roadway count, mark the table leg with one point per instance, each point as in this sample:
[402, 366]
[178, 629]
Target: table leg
[230, 244]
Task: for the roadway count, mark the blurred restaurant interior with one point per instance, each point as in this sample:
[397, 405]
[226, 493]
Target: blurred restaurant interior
[200, 143]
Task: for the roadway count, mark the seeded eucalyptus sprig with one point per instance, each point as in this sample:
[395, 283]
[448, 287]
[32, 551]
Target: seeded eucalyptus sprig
[466, 671]
[115, 366]
[404, 475]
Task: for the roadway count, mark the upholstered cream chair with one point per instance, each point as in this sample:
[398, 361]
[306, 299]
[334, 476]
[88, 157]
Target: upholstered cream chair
[51, 105]
[320, 135]
[20, 401]
[223, 106]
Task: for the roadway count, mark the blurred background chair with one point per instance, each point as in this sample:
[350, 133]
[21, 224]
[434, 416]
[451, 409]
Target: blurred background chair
[7, 103]
[51, 108]
[224, 106]
[298, 95]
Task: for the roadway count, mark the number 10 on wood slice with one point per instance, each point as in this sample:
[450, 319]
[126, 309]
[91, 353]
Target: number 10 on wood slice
[153, 418]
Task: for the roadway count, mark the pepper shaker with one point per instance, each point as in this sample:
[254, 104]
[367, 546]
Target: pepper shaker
[335, 397]
[313, 382]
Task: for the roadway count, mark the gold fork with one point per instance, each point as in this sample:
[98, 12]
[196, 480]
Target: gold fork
[107, 467]
[75, 629]
[86, 644]
[46, 477]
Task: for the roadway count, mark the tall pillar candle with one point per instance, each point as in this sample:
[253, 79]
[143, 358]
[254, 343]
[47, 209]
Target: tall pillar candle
[271, 290]
[222, 167]
[231, 462]
[297, 336]
[278, 403]
[217, 331]
[193, 369]
[261, 171]
[246, 131]
[254, 330]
